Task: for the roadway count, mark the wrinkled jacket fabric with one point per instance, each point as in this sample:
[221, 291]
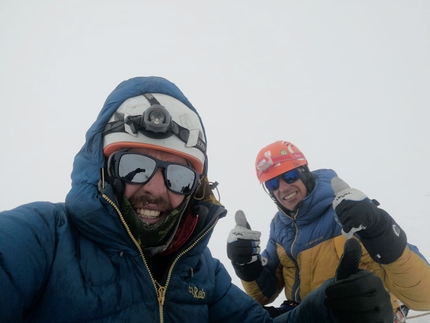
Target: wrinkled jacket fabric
[304, 250]
[76, 262]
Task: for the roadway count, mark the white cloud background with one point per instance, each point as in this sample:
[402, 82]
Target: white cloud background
[347, 82]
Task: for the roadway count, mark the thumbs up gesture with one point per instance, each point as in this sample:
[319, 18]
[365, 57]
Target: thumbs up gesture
[357, 295]
[380, 234]
[243, 244]
[355, 210]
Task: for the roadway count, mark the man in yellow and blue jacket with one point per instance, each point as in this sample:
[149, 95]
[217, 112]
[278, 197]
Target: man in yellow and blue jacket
[317, 212]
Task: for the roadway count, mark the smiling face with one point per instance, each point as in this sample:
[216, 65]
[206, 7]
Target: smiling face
[153, 201]
[289, 195]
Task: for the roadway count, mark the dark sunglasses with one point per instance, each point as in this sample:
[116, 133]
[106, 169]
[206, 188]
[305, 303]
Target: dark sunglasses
[135, 168]
[288, 177]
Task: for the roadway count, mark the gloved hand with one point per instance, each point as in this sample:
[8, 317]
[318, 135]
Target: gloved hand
[243, 249]
[357, 295]
[381, 236]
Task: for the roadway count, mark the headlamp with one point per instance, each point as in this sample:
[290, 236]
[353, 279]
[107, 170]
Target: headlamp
[156, 119]
[155, 122]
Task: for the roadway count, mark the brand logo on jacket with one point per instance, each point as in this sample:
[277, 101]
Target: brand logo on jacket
[196, 292]
[396, 230]
[314, 241]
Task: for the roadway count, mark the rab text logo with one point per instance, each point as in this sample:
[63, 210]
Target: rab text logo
[196, 292]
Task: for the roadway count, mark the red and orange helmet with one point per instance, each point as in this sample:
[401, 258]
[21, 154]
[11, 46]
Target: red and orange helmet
[277, 158]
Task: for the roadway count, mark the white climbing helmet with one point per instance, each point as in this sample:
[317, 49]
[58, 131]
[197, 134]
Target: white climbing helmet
[157, 121]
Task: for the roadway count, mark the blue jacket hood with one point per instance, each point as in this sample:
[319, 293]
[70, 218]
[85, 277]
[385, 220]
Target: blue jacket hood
[94, 215]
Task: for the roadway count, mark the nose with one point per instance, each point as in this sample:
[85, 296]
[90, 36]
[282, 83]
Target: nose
[156, 185]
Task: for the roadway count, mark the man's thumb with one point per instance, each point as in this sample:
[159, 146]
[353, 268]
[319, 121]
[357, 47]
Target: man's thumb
[338, 184]
[350, 259]
[241, 219]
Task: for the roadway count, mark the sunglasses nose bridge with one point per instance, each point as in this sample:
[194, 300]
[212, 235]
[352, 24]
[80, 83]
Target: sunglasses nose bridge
[156, 184]
[158, 173]
[282, 180]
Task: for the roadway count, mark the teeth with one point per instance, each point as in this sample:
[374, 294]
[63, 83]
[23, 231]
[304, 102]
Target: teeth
[290, 196]
[148, 213]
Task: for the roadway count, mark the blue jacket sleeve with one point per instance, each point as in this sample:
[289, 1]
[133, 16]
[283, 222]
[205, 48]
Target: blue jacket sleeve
[231, 304]
[27, 244]
[310, 310]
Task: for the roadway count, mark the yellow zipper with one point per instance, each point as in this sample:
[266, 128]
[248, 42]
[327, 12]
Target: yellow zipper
[160, 290]
[295, 236]
[184, 252]
[160, 294]
[292, 247]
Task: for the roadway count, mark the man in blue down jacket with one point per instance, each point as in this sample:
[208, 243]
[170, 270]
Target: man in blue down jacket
[130, 242]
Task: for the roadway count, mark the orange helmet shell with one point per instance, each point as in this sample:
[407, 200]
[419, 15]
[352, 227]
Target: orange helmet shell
[277, 158]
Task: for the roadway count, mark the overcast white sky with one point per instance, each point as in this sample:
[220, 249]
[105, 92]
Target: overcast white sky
[346, 82]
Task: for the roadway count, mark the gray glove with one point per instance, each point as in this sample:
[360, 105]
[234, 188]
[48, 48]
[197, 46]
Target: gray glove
[243, 249]
[380, 234]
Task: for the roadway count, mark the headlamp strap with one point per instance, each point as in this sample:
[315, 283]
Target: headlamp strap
[152, 100]
[134, 122]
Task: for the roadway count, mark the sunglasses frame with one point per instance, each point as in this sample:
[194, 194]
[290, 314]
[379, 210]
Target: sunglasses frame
[282, 177]
[114, 161]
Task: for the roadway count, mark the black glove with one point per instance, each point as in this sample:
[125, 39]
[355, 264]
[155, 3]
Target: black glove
[243, 249]
[273, 311]
[286, 306]
[357, 296]
[380, 234]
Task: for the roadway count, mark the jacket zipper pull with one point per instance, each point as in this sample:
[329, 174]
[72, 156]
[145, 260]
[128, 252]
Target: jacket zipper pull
[161, 295]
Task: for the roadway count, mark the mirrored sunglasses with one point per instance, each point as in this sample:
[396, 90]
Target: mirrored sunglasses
[288, 177]
[135, 168]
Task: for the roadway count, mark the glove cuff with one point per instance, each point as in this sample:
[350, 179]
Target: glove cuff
[389, 244]
[248, 272]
